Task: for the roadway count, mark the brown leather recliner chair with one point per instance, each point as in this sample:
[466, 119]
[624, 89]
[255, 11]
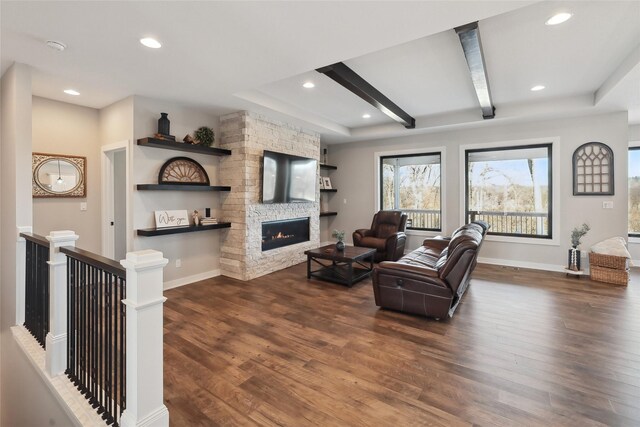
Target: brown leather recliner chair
[386, 235]
[431, 280]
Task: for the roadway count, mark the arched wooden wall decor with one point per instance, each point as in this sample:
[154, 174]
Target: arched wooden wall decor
[182, 170]
[593, 170]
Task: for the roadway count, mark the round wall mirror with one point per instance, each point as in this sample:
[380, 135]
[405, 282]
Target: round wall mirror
[58, 175]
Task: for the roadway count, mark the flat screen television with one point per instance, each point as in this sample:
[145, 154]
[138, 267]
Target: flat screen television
[288, 179]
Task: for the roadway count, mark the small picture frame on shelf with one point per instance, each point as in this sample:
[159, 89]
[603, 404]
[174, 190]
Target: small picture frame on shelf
[327, 183]
[321, 182]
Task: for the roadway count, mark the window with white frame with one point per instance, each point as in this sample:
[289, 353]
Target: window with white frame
[511, 189]
[411, 183]
[634, 191]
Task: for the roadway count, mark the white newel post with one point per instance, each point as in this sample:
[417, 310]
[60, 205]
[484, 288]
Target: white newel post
[21, 273]
[144, 389]
[56, 342]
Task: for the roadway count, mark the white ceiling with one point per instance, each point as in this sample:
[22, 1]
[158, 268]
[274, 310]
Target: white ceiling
[225, 56]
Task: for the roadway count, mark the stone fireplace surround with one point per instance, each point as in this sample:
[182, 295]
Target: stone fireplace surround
[247, 135]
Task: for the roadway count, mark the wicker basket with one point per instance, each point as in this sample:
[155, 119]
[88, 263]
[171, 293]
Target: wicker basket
[607, 261]
[609, 275]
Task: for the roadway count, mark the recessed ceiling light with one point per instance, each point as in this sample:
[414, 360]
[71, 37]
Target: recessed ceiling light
[59, 46]
[71, 92]
[558, 18]
[152, 43]
[537, 88]
[308, 85]
[366, 116]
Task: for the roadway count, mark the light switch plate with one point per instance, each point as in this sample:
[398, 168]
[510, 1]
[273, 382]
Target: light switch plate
[607, 205]
[83, 206]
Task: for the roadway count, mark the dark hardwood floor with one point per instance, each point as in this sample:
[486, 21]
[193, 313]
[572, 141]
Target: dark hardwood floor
[525, 348]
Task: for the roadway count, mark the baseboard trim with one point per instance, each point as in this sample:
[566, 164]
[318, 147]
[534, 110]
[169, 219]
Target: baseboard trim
[190, 279]
[522, 264]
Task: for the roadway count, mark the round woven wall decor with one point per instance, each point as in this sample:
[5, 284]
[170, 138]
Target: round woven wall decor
[182, 170]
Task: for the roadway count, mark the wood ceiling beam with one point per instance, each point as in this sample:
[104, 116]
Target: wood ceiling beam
[469, 35]
[349, 79]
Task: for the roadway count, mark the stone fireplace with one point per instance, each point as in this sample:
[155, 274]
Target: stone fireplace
[247, 135]
[277, 234]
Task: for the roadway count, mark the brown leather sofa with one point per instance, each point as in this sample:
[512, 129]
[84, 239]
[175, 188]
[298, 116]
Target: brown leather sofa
[431, 280]
[386, 235]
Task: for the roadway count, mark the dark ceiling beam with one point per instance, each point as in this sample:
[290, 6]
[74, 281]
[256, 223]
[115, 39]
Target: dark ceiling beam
[469, 35]
[349, 79]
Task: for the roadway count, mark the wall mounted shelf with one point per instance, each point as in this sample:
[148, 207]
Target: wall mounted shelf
[182, 146]
[182, 187]
[328, 167]
[328, 214]
[147, 232]
[329, 190]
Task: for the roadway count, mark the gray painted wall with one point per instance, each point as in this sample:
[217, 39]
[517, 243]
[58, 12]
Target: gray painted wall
[62, 128]
[199, 252]
[355, 181]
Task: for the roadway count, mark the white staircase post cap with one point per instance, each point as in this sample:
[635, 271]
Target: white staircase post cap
[142, 260]
[62, 236]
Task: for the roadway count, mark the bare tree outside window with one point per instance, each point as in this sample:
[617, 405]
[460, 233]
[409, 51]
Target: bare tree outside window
[412, 184]
[510, 189]
[634, 191]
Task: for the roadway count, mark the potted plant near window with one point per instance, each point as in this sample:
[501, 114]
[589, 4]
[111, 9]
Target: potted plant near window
[574, 253]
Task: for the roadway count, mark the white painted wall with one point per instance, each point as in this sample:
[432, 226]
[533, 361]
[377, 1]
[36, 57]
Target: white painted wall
[200, 251]
[355, 181]
[67, 129]
[21, 388]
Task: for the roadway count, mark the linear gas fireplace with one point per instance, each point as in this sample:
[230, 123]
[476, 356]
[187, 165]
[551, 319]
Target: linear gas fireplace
[276, 234]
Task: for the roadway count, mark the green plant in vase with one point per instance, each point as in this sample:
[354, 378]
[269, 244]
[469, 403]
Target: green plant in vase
[574, 254]
[339, 235]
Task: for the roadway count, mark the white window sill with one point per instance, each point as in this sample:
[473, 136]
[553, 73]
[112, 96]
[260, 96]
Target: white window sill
[634, 240]
[522, 240]
[423, 233]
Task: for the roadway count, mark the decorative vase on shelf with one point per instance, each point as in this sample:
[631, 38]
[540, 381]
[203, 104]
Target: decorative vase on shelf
[324, 157]
[340, 245]
[574, 259]
[164, 124]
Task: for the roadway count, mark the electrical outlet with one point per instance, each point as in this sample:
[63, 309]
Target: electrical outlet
[83, 206]
[607, 205]
[178, 263]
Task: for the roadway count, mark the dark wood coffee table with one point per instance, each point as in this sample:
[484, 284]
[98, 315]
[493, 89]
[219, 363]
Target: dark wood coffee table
[345, 267]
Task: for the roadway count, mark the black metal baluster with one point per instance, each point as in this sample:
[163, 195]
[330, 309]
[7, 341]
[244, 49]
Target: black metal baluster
[106, 416]
[100, 341]
[116, 305]
[123, 334]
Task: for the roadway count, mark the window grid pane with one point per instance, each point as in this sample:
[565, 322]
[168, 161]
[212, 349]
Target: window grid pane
[412, 184]
[510, 188]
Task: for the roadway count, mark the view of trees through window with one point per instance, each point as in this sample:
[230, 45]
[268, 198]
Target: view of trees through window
[412, 183]
[510, 189]
[634, 191]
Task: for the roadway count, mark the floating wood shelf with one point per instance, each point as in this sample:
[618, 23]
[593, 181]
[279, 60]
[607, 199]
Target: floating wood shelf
[177, 230]
[182, 146]
[329, 190]
[182, 187]
[328, 167]
[328, 213]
